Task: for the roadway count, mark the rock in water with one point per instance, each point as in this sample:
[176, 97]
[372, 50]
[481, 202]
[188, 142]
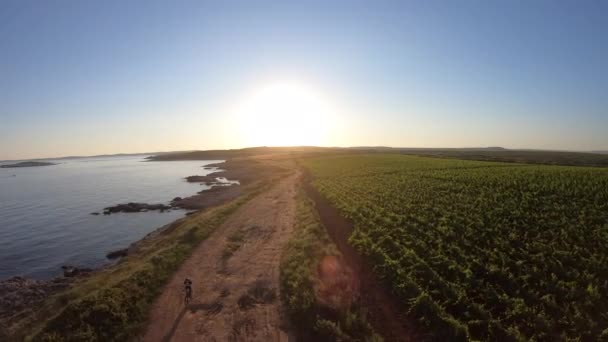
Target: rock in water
[72, 271]
[118, 253]
[133, 207]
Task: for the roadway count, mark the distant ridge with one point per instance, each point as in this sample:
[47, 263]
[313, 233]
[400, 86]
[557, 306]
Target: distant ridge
[497, 154]
[27, 164]
[94, 156]
[266, 149]
[490, 153]
[492, 148]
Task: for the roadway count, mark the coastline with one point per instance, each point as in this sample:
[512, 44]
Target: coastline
[19, 293]
[24, 301]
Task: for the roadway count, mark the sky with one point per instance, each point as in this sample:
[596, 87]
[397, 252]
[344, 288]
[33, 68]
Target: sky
[95, 77]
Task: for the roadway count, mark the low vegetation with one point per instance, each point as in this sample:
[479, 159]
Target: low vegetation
[480, 250]
[233, 244]
[319, 316]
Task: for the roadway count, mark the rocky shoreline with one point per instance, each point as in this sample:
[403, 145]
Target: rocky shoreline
[20, 296]
[225, 184]
[218, 183]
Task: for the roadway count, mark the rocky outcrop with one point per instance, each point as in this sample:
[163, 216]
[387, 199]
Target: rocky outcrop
[118, 253]
[135, 208]
[208, 198]
[212, 180]
[70, 271]
[200, 179]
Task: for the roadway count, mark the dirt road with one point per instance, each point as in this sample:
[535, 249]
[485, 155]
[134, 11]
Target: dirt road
[235, 274]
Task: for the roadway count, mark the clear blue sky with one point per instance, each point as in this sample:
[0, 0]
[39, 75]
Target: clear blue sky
[90, 77]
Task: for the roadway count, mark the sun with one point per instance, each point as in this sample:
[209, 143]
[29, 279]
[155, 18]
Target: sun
[284, 114]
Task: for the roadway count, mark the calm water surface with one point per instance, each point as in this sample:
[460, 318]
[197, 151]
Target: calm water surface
[45, 212]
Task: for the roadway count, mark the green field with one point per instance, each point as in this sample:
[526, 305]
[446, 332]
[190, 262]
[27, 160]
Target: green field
[480, 250]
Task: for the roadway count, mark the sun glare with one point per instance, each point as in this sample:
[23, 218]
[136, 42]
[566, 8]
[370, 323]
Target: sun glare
[284, 114]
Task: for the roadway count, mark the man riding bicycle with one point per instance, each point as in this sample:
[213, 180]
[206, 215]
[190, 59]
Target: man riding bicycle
[188, 290]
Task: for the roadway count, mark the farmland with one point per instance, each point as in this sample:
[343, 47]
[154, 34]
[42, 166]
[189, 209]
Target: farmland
[480, 250]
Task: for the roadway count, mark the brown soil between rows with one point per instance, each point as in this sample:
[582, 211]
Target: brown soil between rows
[384, 313]
[235, 274]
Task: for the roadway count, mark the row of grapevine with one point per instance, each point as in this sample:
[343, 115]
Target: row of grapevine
[481, 250]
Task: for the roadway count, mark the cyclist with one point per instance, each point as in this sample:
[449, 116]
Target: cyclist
[188, 290]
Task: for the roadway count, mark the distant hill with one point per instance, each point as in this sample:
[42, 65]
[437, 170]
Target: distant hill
[27, 164]
[109, 155]
[498, 154]
[81, 157]
[383, 148]
[492, 153]
[243, 152]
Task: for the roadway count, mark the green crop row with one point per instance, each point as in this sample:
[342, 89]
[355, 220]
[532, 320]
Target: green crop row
[314, 317]
[481, 250]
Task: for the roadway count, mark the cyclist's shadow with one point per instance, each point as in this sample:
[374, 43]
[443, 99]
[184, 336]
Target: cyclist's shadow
[211, 308]
[171, 332]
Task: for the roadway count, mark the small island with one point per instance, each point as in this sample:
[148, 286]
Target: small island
[27, 164]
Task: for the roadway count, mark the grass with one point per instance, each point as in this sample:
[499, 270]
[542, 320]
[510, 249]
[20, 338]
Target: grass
[113, 304]
[316, 319]
[233, 244]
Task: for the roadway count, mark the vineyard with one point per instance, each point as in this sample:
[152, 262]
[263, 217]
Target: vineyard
[480, 250]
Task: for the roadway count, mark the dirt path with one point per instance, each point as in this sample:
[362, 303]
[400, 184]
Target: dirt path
[235, 274]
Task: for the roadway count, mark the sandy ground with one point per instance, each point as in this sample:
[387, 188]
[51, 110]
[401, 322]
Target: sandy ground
[235, 274]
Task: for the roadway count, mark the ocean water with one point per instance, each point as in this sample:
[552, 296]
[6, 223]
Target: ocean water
[45, 212]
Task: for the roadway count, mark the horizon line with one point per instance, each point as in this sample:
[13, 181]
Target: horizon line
[309, 146]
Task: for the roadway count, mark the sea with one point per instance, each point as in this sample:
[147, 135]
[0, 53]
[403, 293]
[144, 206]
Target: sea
[46, 216]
